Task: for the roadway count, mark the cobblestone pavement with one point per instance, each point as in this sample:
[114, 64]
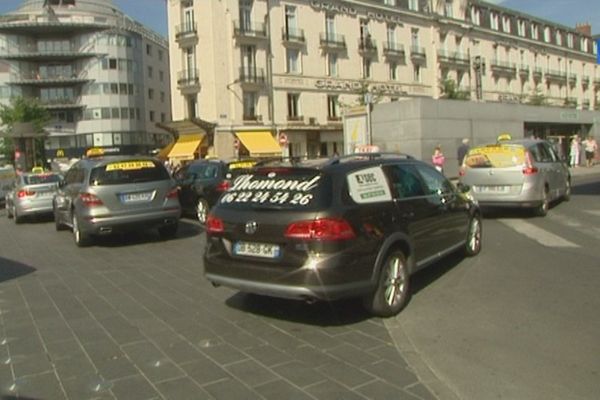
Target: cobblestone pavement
[133, 318]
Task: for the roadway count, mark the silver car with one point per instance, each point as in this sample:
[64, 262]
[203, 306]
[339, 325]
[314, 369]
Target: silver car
[516, 173]
[31, 195]
[104, 195]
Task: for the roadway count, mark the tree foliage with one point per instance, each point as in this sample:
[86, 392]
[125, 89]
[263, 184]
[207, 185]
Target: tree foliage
[450, 90]
[22, 110]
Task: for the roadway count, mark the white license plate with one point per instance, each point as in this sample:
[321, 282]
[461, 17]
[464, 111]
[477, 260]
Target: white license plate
[45, 194]
[492, 189]
[263, 250]
[136, 197]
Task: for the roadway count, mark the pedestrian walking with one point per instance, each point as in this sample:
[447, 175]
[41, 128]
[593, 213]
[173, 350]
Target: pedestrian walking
[438, 159]
[590, 147]
[462, 151]
[574, 152]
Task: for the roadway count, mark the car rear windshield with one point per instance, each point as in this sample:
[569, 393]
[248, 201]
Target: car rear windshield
[495, 156]
[279, 188]
[128, 171]
[41, 178]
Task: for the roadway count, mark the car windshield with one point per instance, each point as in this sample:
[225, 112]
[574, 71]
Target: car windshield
[41, 178]
[279, 188]
[129, 171]
[495, 156]
[203, 171]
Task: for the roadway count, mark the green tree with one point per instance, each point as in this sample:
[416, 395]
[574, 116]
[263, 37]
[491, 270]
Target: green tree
[450, 90]
[23, 110]
[537, 98]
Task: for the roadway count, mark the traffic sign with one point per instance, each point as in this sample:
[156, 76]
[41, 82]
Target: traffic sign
[283, 139]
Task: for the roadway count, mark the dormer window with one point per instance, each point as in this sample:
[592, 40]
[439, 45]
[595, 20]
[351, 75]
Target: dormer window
[475, 16]
[558, 37]
[547, 34]
[535, 32]
[570, 40]
[448, 9]
[494, 21]
[506, 24]
[521, 28]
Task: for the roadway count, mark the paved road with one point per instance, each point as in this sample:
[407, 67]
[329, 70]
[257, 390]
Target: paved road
[133, 318]
[520, 321]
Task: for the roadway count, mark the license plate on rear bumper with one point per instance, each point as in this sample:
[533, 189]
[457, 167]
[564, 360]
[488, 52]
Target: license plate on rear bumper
[139, 197]
[491, 189]
[263, 250]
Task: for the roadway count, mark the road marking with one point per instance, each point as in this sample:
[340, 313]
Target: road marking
[593, 212]
[540, 235]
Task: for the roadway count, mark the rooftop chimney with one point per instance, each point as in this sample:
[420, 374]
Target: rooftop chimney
[585, 28]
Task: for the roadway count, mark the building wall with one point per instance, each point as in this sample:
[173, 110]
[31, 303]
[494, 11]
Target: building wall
[450, 44]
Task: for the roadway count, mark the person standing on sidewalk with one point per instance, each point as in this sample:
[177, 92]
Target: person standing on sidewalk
[462, 151]
[574, 152]
[590, 147]
[438, 159]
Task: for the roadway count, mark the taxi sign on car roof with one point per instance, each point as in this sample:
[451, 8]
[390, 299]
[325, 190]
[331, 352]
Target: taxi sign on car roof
[130, 165]
[94, 152]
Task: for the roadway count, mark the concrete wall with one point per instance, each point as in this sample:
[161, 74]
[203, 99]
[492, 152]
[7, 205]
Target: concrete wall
[416, 126]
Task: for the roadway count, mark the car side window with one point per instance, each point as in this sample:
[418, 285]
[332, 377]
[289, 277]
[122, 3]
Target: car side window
[71, 176]
[553, 156]
[435, 182]
[405, 181]
[543, 153]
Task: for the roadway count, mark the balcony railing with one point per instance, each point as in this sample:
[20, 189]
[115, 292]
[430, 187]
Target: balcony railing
[36, 79]
[537, 73]
[393, 49]
[187, 29]
[291, 35]
[503, 67]
[523, 70]
[554, 75]
[188, 79]
[417, 53]
[367, 46]
[250, 29]
[332, 41]
[585, 80]
[572, 79]
[452, 57]
[35, 52]
[63, 102]
[295, 118]
[252, 75]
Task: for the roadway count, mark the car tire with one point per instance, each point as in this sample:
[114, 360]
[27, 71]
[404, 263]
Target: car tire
[393, 287]
[473, 245]
[542, 209]
[18, 219]
[81, 239]
[201, 210]
[168, 231]
[567, 195]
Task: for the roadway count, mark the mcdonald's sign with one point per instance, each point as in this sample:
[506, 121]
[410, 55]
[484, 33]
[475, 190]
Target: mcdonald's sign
[60, 153]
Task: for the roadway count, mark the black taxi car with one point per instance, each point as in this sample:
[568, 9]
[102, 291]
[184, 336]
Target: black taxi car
[355, 226]
[203, 181]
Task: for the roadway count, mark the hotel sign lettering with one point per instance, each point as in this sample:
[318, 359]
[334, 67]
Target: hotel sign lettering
[354, 86]
[349, 10]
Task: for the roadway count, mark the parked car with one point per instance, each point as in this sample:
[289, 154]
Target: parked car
[354, 226]
[104, 195]
[7, 180]
[202, 182]
[517, 173]
[31, 195]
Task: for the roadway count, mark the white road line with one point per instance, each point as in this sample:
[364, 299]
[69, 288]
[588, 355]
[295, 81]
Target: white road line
[540, 235]
[593, 212]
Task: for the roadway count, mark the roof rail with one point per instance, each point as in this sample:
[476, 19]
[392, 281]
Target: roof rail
[368, 156]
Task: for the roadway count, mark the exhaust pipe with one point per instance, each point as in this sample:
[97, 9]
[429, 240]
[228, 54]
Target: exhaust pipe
[105, 230]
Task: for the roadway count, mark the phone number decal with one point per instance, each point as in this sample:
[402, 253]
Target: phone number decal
[279, 198]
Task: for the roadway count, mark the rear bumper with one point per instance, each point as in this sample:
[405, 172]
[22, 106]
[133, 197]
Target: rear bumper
[102, 225]
[318, 277]
[24, 209]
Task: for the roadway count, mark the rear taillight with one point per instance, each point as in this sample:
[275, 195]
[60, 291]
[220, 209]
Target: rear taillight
[320, 229]
[25, 193]
[223, 186]
[90, 200]
[461, 171]
[529, 169]
[173, 193]
[214, 224]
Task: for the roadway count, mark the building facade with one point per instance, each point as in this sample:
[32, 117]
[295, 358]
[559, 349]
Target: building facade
[103, 77]
[291, 67]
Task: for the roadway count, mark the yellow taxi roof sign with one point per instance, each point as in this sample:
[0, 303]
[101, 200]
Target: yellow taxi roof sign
[94, 152]
[504, 136]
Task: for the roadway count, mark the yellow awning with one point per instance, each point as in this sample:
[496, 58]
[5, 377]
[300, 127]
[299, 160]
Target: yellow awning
[164, 152]
[259, 143]
[185, 147]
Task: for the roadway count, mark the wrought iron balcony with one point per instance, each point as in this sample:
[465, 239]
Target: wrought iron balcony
[585, 80]
[393, 50]
[572, 79]
[252, 76]
[537, 73]
[293, 36]
[556, 76]
[503, 67]
[186, 34]
[188, 81]
[456, 58]
[37, 79]
[249, 30]
[332, 41]
[417, 53]
[367, 46]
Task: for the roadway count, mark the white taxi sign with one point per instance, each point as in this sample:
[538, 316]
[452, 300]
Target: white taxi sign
[369, 186]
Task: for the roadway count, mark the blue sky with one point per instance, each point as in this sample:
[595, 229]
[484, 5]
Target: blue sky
[566, 12]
